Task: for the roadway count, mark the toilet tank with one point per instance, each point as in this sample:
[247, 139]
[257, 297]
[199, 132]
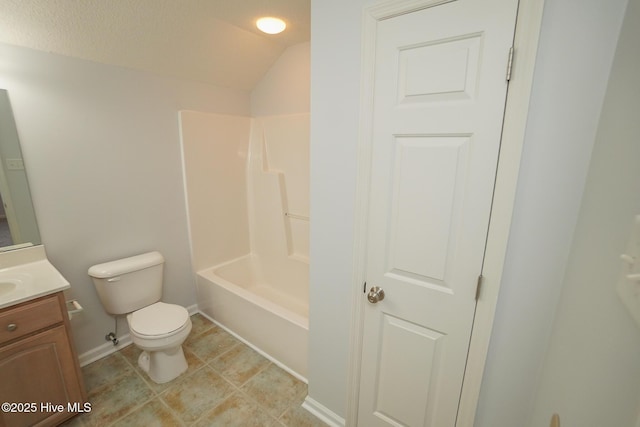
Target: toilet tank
[128, 284]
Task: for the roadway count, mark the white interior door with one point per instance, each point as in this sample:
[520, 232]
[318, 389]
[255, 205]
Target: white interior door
[439, 95]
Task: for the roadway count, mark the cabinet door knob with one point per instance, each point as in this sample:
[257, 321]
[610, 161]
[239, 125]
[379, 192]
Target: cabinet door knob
[12, 327]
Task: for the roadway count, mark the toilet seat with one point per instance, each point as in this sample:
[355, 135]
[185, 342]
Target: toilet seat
[158, 320]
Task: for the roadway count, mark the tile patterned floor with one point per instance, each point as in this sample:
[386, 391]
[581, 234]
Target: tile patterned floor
[227, 384]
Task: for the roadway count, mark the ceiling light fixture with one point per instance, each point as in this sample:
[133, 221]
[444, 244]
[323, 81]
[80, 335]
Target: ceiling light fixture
[271, 25]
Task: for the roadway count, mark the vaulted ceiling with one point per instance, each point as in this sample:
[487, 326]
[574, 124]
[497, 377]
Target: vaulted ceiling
[210, 41]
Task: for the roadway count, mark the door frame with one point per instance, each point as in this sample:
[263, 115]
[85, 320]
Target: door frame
[528, 24]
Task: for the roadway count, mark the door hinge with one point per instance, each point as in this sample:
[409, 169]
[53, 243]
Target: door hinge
[509, 63]
[479, 286]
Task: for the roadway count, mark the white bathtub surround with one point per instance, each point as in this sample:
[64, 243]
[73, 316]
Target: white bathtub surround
[214, 155]
[279, 191]
[276, 324]
[247, 184]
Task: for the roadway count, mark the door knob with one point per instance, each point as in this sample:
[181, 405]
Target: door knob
[375, 295]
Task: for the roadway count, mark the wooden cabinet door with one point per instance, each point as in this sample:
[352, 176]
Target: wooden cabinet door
[38, 370]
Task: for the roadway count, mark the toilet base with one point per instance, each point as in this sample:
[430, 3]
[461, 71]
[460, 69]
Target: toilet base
[164, 365]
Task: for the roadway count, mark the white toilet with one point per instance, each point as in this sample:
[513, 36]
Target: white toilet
[133, 286]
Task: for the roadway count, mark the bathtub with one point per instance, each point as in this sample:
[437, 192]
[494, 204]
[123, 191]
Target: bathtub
[259, 308]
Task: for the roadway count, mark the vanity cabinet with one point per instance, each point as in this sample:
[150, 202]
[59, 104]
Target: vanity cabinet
[40, 376]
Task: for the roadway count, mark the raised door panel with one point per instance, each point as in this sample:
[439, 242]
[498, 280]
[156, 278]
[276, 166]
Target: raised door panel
[439, 95]
[38, 369]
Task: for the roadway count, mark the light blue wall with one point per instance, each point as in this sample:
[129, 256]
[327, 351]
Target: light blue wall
[577, 44]
[335, 97]
[102, 152]
[591, 375]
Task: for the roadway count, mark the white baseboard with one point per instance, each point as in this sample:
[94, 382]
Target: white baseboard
[104, 350]
[193, 309]
[322, 412]
[108, 348]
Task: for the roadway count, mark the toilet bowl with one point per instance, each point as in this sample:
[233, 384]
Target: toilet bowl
[133, 286]
[159, 331]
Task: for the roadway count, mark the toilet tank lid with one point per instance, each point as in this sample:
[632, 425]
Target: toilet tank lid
[126, 265]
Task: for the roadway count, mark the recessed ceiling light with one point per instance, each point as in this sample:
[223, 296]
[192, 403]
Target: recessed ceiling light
[271, 25]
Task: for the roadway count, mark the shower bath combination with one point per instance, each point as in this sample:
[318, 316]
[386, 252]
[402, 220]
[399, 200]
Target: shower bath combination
[247, 182]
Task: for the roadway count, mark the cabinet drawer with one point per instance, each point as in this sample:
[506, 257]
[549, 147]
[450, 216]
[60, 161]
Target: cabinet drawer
[21, 320]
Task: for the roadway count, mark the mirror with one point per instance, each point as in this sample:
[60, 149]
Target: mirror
[18, 226]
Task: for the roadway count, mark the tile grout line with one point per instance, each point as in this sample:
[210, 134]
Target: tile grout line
[168, 407]
[135, 370]
[235, 390]
[238, 389]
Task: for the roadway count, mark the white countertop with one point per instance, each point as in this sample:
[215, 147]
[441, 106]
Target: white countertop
[26, 274]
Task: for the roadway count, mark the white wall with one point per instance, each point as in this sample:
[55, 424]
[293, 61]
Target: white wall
[590, 376]
[576, 50]
[284, 89]
[101, 147]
